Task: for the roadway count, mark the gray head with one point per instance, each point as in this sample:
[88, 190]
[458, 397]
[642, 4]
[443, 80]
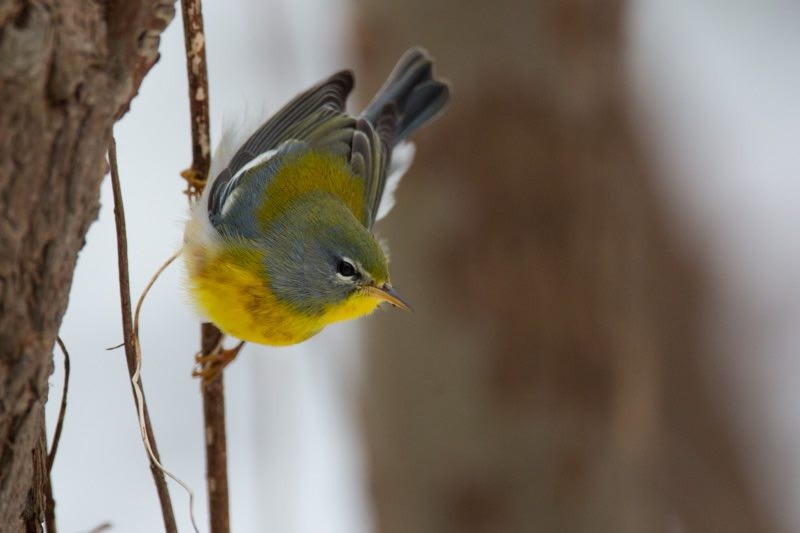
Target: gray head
[321, 255]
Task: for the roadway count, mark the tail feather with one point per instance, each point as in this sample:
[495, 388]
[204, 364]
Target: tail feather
[411, 89]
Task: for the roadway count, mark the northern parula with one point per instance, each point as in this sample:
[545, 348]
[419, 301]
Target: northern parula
[280, 244]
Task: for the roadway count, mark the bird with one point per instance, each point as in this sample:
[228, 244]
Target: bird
[281, 243]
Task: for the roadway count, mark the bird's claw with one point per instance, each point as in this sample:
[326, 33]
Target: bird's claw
[210, 365]
[195, 183]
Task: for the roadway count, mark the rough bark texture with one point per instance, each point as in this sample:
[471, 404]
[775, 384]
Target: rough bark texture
[68, 70]
[550, 379]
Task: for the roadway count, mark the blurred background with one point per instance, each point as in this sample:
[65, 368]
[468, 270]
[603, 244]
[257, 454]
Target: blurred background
[599, 237]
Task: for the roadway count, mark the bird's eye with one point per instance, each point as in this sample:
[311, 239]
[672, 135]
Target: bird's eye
[346, 269]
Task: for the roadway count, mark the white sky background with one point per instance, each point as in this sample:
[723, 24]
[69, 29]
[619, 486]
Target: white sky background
[719, 82]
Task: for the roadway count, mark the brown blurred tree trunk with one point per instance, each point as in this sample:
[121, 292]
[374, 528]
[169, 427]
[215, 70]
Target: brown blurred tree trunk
[550, 380]
[68, 71]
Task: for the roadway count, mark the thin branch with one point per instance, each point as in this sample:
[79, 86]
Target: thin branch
[213, 390]
[195, 42]
[127, 329]
[51, 457]
[216, 440]
[105, 526]
[49, 501]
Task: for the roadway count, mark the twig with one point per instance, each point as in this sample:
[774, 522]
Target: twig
[49, 501]
[213, 390]
[216, 441]
[195, 42]
[51, 457]
[130, 347]
[105, 526]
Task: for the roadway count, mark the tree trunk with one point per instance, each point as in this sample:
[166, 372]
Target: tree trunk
[550, 379]
[68, 71]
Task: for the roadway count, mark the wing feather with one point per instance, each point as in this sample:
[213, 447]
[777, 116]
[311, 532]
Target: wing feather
[320, 105]
[366, 163]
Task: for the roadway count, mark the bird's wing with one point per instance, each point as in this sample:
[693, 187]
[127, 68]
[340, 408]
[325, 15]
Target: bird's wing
[315, 116]
[370, 154]
[315, 119]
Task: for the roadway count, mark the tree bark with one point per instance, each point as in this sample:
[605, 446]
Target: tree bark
[550, 379]
[68, 71]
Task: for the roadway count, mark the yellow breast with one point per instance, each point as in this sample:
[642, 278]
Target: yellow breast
[230, 287]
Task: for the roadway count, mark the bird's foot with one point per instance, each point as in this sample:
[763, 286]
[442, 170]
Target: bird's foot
[195, 183]
[209, 366]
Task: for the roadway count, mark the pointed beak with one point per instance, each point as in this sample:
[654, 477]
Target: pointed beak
[388, 294]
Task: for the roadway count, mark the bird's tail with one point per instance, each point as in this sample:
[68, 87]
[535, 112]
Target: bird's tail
[411, 89]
